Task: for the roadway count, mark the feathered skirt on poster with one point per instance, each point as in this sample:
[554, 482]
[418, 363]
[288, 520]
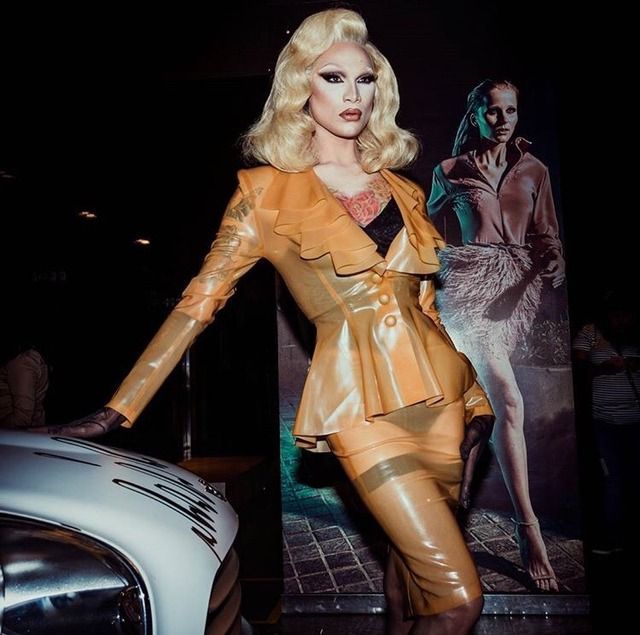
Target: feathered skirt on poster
[489, 295]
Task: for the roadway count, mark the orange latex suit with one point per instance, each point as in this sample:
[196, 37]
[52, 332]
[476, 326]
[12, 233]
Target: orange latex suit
[387, 392]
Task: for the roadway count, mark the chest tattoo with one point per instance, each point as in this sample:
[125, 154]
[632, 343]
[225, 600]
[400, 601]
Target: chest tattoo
[364, 206]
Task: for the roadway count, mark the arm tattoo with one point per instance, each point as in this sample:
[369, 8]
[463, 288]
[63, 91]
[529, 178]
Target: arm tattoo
[242, 208]
[224, 248]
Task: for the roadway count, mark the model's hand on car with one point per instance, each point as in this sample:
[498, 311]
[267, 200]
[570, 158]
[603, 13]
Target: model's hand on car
[93, 425]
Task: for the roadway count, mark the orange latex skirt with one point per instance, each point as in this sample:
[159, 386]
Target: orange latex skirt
[406, 466]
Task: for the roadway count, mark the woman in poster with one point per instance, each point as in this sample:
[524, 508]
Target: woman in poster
[493, 284]
[386, 392]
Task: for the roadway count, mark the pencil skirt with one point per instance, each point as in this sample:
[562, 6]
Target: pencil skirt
[407, 469]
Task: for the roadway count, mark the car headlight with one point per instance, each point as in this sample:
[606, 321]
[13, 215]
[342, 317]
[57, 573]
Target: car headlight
[57, 581]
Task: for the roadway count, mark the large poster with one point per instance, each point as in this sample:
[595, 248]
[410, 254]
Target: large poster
[503, 300]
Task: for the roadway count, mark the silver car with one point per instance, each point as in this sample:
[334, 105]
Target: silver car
[95, 540]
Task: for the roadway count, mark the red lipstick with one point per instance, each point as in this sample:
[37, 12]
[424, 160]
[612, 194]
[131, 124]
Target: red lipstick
[351, 114]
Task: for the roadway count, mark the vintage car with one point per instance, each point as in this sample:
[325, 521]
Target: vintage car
[95, 540]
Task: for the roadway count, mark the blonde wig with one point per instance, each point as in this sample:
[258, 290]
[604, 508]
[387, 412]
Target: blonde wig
[283, 134]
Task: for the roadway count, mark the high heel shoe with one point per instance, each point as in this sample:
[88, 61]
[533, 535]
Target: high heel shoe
[536, 565]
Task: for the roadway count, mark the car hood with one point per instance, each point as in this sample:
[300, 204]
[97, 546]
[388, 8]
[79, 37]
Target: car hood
[171, 525]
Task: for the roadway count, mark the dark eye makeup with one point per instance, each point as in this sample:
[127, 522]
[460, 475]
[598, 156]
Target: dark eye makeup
[334, 77]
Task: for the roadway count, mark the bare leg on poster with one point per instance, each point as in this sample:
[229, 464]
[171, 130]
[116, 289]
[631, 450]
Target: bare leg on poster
[511, 451]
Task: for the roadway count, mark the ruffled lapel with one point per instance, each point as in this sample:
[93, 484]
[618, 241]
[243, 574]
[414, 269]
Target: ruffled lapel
[311, 216]
[413, 250]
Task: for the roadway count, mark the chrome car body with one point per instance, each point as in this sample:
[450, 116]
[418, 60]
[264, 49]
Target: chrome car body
[96, 540]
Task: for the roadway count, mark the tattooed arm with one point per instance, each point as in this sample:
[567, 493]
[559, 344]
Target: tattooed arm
[237, 247]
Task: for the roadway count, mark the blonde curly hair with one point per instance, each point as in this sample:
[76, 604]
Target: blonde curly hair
[283, 134]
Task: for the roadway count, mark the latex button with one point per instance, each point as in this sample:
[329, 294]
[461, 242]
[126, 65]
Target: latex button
[384, 298]
[390, 320]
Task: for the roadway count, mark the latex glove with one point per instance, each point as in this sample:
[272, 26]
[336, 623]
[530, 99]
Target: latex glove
[94, 425]
[477, 434]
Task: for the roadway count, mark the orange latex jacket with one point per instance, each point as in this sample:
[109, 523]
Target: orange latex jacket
[380, 345]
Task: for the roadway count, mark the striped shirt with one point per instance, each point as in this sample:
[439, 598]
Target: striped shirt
[613, 397]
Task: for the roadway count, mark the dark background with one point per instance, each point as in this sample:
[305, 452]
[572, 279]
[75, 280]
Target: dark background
[135, 114]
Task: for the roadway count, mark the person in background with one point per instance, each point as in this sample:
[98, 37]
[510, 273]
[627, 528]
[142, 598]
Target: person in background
[24, 381]
[492, 285]
[386, 392]
[607, 361]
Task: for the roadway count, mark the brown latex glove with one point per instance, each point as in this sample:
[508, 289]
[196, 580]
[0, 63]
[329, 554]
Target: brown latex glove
[477, 434]
[94, 425]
